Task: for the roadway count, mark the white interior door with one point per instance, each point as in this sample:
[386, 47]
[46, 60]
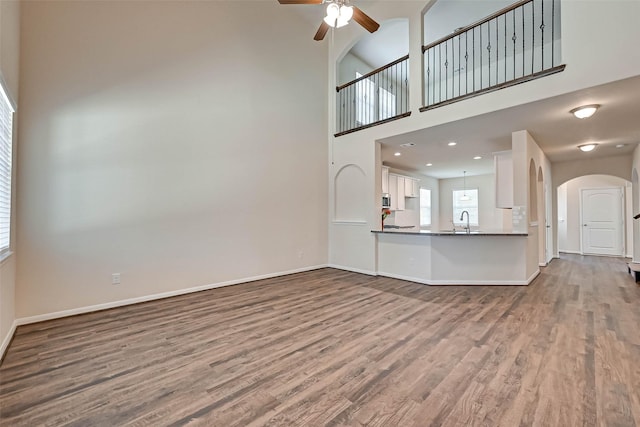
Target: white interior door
[602, 221]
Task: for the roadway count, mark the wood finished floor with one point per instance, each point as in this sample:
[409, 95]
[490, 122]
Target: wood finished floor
[336, 348]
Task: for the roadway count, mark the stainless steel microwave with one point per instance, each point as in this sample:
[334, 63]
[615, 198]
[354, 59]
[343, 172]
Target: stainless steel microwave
[386, 200]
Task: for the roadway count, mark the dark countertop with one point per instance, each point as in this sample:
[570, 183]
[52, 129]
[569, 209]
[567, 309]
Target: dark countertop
[447, 233]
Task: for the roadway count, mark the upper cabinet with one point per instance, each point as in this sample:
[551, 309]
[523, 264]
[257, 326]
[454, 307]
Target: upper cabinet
[398, 187]
[411, 187]
[503, 163]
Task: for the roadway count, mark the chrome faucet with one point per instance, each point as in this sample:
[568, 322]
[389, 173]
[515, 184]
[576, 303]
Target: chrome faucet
[467, 228]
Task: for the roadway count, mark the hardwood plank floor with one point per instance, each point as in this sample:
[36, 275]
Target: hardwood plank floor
[336, 348]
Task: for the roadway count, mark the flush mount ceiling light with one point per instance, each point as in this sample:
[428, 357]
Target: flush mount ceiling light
[452, 143]
[587, 147]
[620, 145]
[585, 111]
[477, 158]
[429, 164]
[397, 153]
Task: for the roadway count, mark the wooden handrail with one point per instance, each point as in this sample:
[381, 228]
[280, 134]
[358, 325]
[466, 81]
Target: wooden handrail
[476, 24]
[376, 71]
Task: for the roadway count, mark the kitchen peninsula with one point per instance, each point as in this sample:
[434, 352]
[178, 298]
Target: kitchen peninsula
[455, 258]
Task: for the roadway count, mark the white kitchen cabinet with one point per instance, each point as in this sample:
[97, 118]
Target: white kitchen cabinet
[385, 179]
[400, 191]
[503, 164]
[411, 187]
[393, 191]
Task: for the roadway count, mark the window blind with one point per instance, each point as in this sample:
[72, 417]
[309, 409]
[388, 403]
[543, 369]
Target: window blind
[6, 131]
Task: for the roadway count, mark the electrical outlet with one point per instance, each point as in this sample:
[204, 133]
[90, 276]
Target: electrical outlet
[115, 279]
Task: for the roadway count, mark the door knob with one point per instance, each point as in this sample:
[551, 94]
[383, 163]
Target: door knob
[584, 225]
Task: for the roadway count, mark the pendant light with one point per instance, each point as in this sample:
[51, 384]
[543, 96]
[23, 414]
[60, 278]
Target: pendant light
[464, 197]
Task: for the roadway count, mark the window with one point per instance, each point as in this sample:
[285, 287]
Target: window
[425, 207]
[387, 102]
[6, 129]
[470, 205]
[365, 101]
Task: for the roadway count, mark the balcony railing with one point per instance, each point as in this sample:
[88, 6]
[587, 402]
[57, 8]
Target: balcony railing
[514, 45]
[374, 98]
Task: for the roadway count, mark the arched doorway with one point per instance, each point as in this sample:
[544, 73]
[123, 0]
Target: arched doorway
[573, 224]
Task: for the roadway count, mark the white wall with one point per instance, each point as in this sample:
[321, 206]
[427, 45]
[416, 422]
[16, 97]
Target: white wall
[490, 218]
[571, 241]
[9, 70]
[177, 143]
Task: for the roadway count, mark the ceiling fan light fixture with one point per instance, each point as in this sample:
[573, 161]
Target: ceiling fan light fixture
[346, 12]
[333, 14]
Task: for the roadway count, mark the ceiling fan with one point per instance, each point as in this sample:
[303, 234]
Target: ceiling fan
[339, 13]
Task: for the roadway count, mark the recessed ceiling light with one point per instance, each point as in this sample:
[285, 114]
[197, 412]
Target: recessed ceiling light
[585, 111]
[429, 164]
[620, 145]
[587, 147]
[408, 144]
[397, 153]
[477, 158]
[452, 143]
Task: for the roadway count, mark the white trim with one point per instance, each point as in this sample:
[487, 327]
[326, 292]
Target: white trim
[462, 282]
[403, 277]
[568, 252]
[120, 303]
[542, 264]
[7, 339]
[5, 255]
[349, 222]
[354, 270]
[533, 276]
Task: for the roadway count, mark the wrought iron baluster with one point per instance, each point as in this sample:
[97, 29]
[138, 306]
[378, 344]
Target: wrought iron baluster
[489, 52]
[523, 39]
[533, 35]
[553, 26]
[542, 35]
[514, 38]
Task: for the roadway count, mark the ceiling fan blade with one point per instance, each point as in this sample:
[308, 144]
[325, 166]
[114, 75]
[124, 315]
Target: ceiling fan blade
[322, 31]
[300, 1]
[365, 20]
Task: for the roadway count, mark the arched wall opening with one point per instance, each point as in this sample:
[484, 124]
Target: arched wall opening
[349, 194]
[533, 193]
[542, 222]
[569, 205]
[635, 210]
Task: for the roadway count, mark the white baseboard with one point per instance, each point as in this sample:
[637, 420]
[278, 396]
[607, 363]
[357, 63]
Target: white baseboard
[120, 303]
[354, 270]
[570, 252]
[458, 282]
[403, 277]
[7, 339]
[542, 264]
[533, 276]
